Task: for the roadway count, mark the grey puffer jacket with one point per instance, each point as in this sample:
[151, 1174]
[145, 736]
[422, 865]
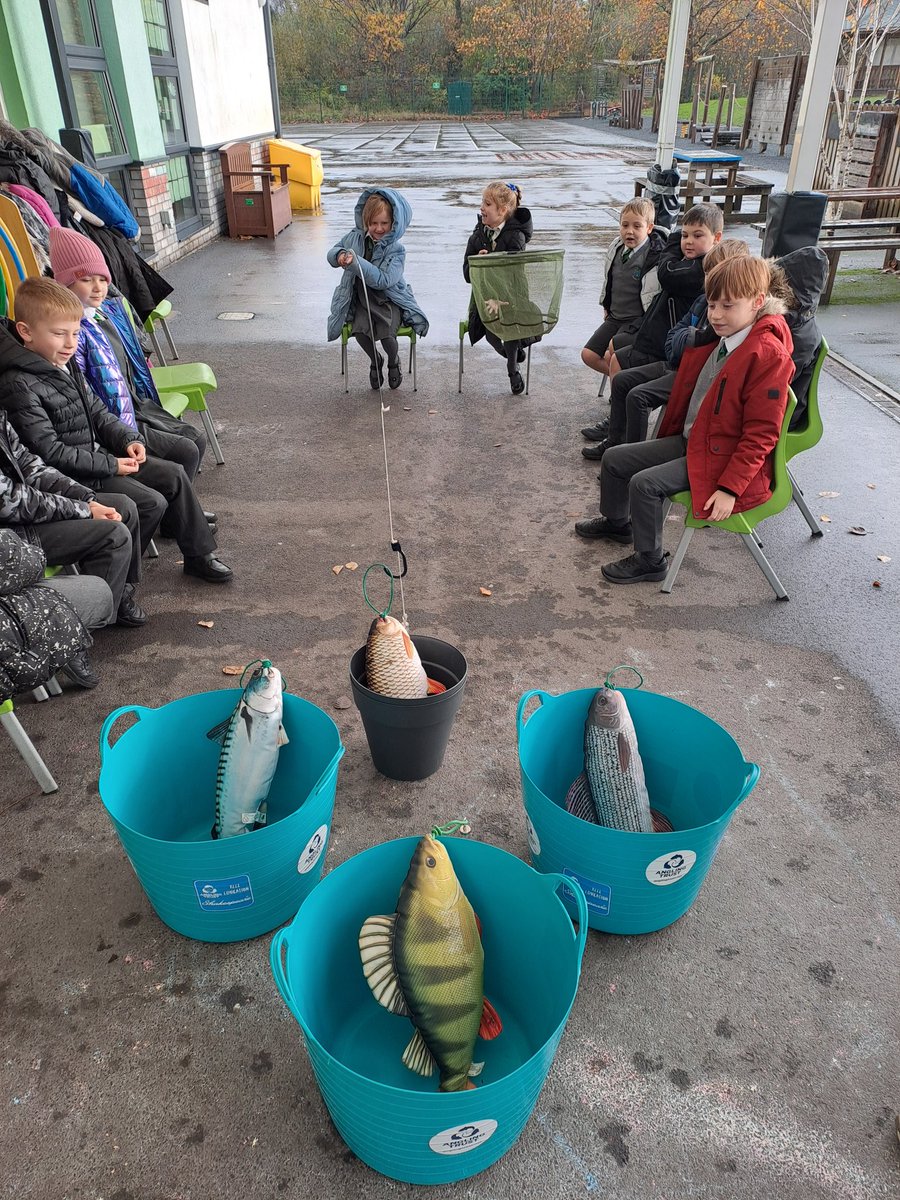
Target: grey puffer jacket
[32, 493]
[56, 415]
[39, 629]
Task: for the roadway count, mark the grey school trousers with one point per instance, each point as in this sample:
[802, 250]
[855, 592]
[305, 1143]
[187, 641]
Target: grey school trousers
[635, 480]
[89, 595]
[632, 397]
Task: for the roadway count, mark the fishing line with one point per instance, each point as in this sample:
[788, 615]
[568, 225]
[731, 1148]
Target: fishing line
[395, 545]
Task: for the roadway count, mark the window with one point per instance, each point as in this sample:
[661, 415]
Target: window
[168, 101]
[76, 20]
[181, 189]
[96, 111]
[156, 25]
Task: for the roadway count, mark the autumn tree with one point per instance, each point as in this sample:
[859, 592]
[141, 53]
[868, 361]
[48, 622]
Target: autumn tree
[527, 37]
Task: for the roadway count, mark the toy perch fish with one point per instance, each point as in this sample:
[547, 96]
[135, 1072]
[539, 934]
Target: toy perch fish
[251, 738]
[425, 961]
[612, 790]
[393, 666]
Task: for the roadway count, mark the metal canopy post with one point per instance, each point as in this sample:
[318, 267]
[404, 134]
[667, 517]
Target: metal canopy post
[672, 78]
[823, 56]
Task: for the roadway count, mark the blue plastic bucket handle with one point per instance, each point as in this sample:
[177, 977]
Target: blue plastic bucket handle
[520, 710]
[327, 773]
[554, 881]
[749, 784]
[137, 709]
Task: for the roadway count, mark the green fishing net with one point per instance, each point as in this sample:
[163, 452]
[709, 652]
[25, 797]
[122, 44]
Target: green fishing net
[518, 295]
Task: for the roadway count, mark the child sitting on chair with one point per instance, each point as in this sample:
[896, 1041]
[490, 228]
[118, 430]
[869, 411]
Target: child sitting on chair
[721, 424]
[503, 225]
[373, 296]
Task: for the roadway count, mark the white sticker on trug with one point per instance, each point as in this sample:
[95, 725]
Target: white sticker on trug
[669, 868]
[313, 851]
[462, 1138]
[534, 842]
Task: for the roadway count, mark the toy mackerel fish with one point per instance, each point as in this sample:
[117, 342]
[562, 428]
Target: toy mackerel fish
[425, 962]
[393, 666]
[251, 738]
[612, 790]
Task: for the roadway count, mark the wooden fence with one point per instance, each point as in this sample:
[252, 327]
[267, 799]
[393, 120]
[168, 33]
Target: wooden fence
[773, 101]
[875, 161]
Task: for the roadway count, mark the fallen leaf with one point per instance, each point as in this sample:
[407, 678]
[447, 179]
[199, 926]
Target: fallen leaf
[829, 495]
[406, 408]
[827, 520]
[232, 670]
[859, 530]
[497, 445]
[486, 591]
[206, 624]
[573, 514]
[337, 569]
[871, 485]
[432, 412]
[883, 557]
[343, 702]
[179, 562]
[351, 566]
[876, 583]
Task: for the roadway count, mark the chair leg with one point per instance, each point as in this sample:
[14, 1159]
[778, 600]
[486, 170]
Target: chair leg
[40, 694]
[32, 759]
[213, 439]
[157, 349]
[52, 686]
[412, 359]
[165, 326]
[669, 582]
[765, 566]
[152, 551]
[459, 389]
[603, 382]
[527, 370]
[345, 367]
[817, 530]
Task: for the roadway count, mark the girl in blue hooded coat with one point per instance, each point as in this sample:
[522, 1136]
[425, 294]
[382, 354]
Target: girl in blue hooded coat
[374, 251]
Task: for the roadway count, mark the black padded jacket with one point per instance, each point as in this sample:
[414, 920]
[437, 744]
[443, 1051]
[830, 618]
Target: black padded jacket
[681, 281]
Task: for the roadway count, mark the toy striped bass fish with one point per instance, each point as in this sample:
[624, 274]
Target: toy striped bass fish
[611, 790]
[425, 961]
[251, 738]
[393, 666]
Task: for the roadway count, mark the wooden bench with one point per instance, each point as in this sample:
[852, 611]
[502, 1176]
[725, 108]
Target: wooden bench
[727, 190]
[257, 195]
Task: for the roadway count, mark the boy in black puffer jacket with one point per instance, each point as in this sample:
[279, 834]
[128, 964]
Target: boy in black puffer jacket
[503, 225]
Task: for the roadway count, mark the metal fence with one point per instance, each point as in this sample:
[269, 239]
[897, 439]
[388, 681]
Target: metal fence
[367, 97]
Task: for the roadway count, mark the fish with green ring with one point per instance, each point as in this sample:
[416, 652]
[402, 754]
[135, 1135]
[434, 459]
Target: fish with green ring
[425, 961]
[251, 738]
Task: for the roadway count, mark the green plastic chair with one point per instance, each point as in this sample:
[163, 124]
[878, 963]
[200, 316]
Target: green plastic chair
[743, 523]
[25, 746]
[158, 316]
[404, 331]
[463, 330]
[806, 435]
[193, 380]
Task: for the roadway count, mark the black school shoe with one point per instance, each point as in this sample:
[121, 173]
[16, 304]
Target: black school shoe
[596, 433]
[599, 527]
[207, 567]
[130, 614]
[637, 568]
[395, 375]
[595, 452]
[376, 375]
[516, 383]
[80, 671]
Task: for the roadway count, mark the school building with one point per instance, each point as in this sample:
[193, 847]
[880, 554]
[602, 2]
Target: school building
[158, 85]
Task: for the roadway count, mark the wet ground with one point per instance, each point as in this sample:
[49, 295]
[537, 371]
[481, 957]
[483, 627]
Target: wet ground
[748, 1050]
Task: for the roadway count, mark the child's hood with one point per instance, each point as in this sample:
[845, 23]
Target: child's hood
[522, 217]
[400, 207]
[770, 322]
[14, 356]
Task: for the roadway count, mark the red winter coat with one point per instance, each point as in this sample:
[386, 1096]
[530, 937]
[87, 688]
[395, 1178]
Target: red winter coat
[739, 422]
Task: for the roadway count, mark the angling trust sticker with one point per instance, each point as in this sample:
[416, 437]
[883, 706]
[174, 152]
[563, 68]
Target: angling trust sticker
[313, 851]
[669, 868]
[462, 1138]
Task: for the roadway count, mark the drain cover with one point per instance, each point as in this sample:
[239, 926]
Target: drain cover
[236, 316]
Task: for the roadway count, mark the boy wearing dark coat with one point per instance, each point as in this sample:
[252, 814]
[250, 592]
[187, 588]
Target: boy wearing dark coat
[721, 424]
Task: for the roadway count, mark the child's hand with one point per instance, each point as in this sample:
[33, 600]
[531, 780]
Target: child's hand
[137, 451]
[127, 466]
[722, 504]
[483, 251]
[101, 512]
[345, 258]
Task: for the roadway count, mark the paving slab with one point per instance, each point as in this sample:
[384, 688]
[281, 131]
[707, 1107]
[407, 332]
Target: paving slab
[750, 1049]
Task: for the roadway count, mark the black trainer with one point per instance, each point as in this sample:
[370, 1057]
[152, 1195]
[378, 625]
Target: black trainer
[210, 518]
[376, 375]
[516, 383]
[395, 375]
[637, 568]
[595, 452]
[80, 671]
[596, 433]
[599, 527]
[207, 567]
[130, 613]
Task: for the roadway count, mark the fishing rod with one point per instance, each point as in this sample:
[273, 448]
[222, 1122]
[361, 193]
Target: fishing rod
[395, 544]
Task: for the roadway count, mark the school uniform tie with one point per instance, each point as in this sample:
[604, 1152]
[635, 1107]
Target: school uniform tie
[723, 351]
[626, 254]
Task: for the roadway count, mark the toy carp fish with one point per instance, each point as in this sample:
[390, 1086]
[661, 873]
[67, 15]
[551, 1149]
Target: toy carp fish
[393, 666]
[612, 790]
[425, 962]
[251, 738]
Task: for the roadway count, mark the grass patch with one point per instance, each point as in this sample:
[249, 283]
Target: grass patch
[865, 287]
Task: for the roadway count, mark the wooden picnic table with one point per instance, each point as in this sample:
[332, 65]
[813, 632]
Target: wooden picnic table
[714, 173]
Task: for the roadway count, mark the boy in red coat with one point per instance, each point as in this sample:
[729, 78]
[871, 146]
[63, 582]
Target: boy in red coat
[721, 424]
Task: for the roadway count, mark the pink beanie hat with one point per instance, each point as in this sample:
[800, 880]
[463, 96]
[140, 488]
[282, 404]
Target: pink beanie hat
[72, 256]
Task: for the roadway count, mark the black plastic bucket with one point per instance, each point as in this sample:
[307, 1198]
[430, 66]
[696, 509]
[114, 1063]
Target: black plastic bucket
[407, 738]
